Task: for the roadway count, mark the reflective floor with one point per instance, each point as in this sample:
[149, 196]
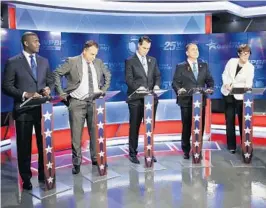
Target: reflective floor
[221, 181]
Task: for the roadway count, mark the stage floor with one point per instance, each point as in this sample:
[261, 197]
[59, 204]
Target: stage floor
[221, 181]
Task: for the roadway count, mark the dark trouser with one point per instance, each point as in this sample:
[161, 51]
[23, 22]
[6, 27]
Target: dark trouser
[80, 110]
[232, 106]
[136, 114]
[24, 140]
[186, 116]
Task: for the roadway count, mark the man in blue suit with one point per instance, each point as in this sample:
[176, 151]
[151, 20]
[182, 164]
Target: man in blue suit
[28, 75]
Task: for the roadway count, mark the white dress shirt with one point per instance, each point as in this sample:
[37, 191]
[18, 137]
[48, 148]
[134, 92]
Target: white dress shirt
[143, 61]
[191, 64]
[27, 56]
[82, 92]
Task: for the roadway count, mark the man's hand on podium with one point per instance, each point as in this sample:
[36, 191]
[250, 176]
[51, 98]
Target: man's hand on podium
[209, 91]
[228, 87]
[181, 91]
[141, 88]
[34, 95]
[156, 87]
[46, 91]
[63, 96]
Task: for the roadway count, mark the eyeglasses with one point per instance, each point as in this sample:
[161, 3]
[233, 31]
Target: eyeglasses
[245, 53]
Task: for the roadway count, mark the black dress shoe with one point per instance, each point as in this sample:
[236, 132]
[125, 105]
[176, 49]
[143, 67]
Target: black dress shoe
[94, 162]
[134, 160]
[27, 185]
[186, 156]
[154, 159]
[76, 169]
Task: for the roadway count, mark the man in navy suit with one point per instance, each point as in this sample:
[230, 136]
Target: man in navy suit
[28, 75]
[142, 73]
[188, 75]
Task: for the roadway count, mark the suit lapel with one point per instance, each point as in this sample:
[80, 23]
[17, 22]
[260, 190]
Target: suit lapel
[26, 65]
[140, 64]
[39, 71]
[233, 69]
[200, 70]
[79, 67]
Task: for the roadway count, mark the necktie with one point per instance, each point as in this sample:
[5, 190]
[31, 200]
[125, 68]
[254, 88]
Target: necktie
[144, 64]
[91, 90]
[195, 70]
[33, 67]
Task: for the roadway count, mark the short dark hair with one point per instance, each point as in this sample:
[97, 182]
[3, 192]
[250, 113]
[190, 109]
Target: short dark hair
[90, 43]
[244, 48]
[144, 38]
[26, 35]
[189, 44]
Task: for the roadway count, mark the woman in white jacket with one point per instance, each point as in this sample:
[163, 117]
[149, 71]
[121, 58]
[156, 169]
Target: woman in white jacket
[238, 73]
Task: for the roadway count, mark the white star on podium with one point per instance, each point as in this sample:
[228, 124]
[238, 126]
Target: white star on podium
[47, 116]
[247, 155]
[196, 155]
[47, 133]
[149, 133]
[197, 104]
[48, 149]
[100, 110]
[196, 143]
[101, 167]
[248, 103]
[101, 154]
[148, 106]
[197, 117]
[196, 131]
[101, 139]
[149, 189]
[247, 130]
[247, 117]
[148, 120]
[100, 125]
[148, 159]
[247, 143]
[49, 165]
[50, 180]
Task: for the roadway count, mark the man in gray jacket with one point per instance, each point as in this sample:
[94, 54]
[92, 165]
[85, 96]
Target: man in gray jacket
[84, 74]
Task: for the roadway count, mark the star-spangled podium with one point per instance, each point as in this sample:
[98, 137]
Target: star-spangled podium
[99, 121]
[50, 186]
[196, 128]
[247, 125]
[148, 120]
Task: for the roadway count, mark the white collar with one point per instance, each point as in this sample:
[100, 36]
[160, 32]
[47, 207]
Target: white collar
[26, 54]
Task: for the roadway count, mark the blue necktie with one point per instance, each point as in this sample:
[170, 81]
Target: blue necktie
[144, 64]
[195, 71]
[33, 66]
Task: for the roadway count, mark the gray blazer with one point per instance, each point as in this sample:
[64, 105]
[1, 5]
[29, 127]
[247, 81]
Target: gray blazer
[72, 70]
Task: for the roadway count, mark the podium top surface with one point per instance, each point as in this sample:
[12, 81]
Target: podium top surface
[242, 90]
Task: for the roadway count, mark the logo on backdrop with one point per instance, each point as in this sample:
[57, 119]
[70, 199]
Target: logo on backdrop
[51, 45]
[174, 45]
[132, 44]
[104, 47]
[216, 46]
[258, 64]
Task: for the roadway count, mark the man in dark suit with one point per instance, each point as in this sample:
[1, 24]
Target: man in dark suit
[142, 73]
[190, 74]
[28, 75]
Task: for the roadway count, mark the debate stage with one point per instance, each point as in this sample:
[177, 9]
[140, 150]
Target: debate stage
[221, 180]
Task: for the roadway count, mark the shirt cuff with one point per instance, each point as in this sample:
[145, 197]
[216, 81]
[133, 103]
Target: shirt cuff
[23, 96]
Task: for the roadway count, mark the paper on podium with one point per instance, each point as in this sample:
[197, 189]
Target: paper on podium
[110, 94]
[34, 102]
[159, 92]
[258, 91]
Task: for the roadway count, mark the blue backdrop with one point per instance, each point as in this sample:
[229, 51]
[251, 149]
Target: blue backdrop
[215, 49]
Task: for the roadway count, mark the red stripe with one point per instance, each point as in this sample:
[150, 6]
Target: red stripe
[12, 17]
[208, 23]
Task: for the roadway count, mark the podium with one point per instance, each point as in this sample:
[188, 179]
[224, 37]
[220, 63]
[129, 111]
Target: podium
[247, 123]
[196, 128]
[99, 121]
[149, 120]
[51, 186]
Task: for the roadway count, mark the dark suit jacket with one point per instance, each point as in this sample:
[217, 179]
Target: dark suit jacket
[136, 76]
[184, 78]
[18, 78]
